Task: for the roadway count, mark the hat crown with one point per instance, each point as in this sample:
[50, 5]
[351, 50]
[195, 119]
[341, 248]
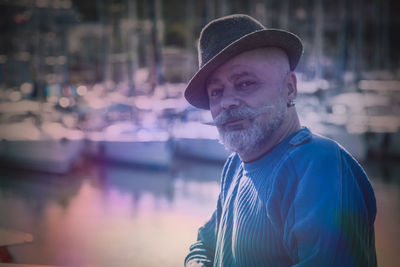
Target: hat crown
[226, 37]
[222, 32]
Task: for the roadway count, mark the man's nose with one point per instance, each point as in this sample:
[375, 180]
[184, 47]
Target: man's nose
[229, 100]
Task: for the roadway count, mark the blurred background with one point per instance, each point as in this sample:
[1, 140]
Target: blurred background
[103, 162]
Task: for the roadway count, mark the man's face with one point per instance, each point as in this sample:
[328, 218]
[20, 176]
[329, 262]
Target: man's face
[247, 97]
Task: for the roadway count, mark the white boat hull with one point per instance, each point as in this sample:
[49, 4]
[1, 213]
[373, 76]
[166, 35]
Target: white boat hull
[151, 153]
[53, 156]
[202, 148]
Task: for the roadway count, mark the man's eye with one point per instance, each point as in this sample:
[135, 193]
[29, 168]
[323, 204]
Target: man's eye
[245, 84]
[215, 92]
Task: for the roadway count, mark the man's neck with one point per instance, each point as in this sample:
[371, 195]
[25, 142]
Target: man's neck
[288, 126]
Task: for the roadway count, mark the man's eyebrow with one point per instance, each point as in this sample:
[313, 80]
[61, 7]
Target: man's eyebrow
[233, 77]
[236, 76]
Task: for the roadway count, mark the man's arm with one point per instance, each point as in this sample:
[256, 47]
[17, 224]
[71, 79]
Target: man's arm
[331, 219]
[203, 250]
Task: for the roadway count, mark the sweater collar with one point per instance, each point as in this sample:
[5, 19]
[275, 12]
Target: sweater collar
[296, 138]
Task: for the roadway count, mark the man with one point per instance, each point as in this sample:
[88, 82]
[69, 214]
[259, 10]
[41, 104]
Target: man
[288, 197]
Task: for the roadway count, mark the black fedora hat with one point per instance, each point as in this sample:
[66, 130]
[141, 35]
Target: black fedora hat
[226, 37]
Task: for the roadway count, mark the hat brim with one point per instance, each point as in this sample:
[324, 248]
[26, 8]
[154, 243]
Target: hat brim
[195, 92]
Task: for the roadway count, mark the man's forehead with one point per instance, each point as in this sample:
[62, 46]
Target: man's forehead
[245, 63]
[234, 72]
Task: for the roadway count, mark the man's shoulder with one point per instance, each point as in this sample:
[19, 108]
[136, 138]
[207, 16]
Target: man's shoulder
[230, 169]
[314, 146]
[232, 163]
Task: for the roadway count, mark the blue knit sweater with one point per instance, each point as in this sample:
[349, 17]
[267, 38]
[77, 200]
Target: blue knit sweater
[306, 203]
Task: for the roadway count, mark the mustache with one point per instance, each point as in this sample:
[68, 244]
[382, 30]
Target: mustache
[239, 113]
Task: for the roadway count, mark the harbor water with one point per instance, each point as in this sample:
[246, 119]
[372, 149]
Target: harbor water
[112, 215]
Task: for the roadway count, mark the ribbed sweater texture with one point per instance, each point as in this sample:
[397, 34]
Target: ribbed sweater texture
[306, 203]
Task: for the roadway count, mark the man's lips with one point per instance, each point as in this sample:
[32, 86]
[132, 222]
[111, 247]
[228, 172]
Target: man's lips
[246, 114]
[236, 124]
[232, 122]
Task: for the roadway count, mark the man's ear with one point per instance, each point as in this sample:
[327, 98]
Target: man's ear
[291, 84]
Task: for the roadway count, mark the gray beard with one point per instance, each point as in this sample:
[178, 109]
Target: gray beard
[246, 141]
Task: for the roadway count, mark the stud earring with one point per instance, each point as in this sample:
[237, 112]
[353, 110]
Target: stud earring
[291, 103]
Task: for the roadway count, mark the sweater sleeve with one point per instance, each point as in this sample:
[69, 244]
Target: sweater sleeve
[330, 221]
[203, 250]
